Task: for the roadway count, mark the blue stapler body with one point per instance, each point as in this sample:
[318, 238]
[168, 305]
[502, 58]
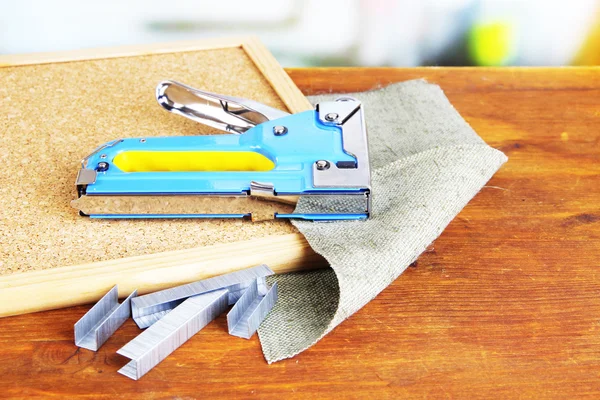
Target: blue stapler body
[259, 169]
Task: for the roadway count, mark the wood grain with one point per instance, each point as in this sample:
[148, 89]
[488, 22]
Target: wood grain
[505, 304]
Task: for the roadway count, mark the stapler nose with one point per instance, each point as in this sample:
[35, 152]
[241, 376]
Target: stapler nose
[226, 113]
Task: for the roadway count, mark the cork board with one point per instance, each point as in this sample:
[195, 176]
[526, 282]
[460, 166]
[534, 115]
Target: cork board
[57, 108]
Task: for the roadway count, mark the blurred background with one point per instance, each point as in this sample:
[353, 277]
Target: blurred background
[325, 32]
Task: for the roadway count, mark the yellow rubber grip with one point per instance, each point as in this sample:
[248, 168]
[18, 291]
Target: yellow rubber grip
[192, 161]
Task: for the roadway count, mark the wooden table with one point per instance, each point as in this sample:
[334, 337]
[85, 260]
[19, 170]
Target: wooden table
[506, 303]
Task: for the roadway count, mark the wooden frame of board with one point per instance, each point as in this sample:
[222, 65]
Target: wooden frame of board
[80, 284]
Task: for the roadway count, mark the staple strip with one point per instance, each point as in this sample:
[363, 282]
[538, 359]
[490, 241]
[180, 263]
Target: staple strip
[148, 309]
[171, 331]
[102, 320]
[249, 312]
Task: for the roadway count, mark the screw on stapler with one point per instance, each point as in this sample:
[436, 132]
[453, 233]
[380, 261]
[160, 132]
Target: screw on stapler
[268, 159]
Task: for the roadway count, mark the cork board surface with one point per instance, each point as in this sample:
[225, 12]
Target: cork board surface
[53, 115]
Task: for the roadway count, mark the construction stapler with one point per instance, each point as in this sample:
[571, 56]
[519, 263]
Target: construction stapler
[268, 159]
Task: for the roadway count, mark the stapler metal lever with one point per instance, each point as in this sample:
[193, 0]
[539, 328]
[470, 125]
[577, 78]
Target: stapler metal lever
[268, 159]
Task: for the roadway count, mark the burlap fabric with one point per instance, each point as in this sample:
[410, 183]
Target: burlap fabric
[427, 163]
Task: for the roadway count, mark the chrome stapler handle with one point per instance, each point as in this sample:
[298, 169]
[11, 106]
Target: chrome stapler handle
[226, 113]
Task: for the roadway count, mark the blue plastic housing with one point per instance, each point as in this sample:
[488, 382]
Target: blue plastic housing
[293, 154]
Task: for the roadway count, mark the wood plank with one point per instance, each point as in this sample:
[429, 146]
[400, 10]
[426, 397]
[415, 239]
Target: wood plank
[80, 284]
[505, 304]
